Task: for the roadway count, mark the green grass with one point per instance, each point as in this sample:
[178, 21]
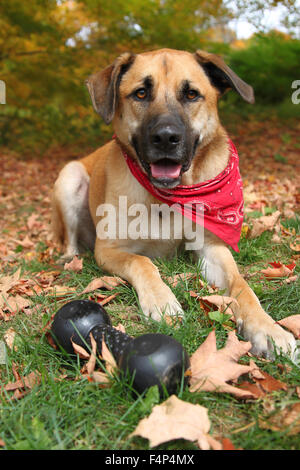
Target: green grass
[73, 413]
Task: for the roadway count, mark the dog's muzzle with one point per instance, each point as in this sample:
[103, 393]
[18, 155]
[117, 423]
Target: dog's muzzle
[162, 149]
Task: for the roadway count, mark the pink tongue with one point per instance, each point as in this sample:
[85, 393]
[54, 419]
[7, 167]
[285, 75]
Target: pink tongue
[160, 170]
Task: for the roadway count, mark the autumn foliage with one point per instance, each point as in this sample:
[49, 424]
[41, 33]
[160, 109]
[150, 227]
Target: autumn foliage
[49, 48]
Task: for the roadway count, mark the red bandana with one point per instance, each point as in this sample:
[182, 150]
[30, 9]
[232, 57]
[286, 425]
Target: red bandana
[221, 198]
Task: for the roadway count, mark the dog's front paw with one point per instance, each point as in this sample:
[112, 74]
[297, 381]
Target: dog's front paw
[266, 336]
[158, 302]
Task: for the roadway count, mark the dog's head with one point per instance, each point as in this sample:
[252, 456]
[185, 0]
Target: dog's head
[163, 105]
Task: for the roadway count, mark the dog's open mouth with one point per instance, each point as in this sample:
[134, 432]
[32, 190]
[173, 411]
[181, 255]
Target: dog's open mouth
[165, 169]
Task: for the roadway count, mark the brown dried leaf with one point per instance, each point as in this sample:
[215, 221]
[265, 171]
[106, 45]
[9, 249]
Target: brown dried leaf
[110, 363]
[82, 353]
[28, 382]
[120, 327]
[108, 299]
[100, 377]
[26, 243]
[287, 420]
[227, 444]
[14, 304]
[290, 279]
[264, 383]
[90, 365]
[7, 282]
[278, 270]
[104, 282]
[212, 369]
[175, 419]
[174, 280]
[260, 225]
[295, 246]
[256, 391]
[9, 337]
[75, 265]
[270, 384]
[60, 291]
[221, 302]
[292, 323]
[32, 221]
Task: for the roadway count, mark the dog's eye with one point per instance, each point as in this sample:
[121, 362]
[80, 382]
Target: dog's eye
[141, 94]
[192, 95]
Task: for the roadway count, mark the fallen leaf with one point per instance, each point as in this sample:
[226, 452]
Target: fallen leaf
[221, 302]
[174, 280]
[108, 299]
[7, 282]
[14, 304]
[100, 377]
[287, 420]
[264, 383]
[91, 374]
[292, 323]
[32, 221]
[295, 246]
[88, 370]
[260, 225]
[254, 389]
[120, 327]
[290, 279]
[9, 337]
[211, 369]
[278, 270]
[110, 363]
[270, 384]
[90, 366]
[75, 265]
[82, 353]
[227, 444]
[104, 282]
[175, 419]
[60, 291]
[26, 243]
[23, 384]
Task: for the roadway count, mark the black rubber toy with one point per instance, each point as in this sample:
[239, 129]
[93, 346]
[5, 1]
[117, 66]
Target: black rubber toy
[150, 359]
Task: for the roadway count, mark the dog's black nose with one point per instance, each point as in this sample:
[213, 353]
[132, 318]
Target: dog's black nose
[166, 138]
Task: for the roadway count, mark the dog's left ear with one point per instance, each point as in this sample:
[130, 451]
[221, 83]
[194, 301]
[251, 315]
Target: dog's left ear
[103, 86]
[223, 77]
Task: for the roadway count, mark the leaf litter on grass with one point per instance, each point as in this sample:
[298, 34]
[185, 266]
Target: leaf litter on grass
[22, 235]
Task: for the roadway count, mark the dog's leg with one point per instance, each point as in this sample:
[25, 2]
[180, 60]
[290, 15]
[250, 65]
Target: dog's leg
[253, 323]
[70, 201]
[155, 297]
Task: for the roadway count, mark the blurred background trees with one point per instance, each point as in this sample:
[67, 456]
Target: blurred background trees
[49, 47]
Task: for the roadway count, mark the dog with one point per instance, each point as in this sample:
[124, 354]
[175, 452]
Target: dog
[164, 109]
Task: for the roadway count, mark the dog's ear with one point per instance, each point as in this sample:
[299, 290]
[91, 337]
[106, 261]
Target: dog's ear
[223, 77]
[103, 86]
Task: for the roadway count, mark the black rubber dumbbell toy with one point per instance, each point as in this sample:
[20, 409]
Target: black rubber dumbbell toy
[150, 359]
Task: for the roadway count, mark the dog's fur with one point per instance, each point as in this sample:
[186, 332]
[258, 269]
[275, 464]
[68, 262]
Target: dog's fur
[166, 76]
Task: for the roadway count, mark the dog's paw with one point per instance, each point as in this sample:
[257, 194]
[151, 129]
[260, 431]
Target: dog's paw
[266, 336]
[159, 302]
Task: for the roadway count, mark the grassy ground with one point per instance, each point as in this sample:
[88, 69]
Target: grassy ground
[65, 411]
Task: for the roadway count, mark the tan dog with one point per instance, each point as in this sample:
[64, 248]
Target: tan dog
[163, 106]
